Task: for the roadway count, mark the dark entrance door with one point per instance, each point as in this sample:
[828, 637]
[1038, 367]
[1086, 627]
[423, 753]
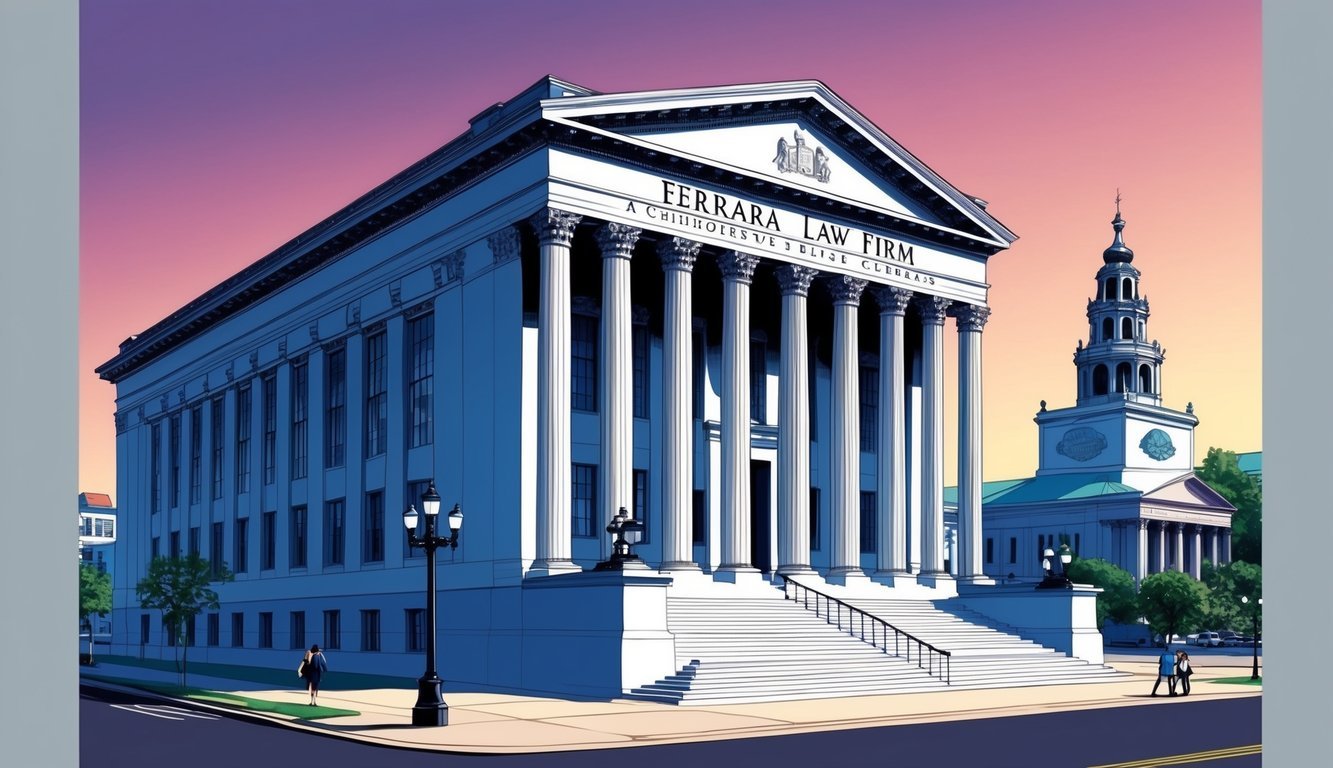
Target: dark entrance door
[761, 510]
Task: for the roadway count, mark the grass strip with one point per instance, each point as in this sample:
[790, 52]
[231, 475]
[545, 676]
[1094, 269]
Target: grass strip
[300, 711]
[1237, 681]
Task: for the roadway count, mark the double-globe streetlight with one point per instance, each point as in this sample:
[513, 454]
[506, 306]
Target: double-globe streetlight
[1051, 579]
[1254, 632]
[430, 708]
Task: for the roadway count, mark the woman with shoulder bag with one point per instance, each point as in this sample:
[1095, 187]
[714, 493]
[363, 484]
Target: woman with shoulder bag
[1183, 672]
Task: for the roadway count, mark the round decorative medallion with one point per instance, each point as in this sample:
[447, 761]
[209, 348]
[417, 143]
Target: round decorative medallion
[1157, 444]
[1081, 444]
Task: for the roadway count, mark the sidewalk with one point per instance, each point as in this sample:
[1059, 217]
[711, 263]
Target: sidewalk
[489, 723]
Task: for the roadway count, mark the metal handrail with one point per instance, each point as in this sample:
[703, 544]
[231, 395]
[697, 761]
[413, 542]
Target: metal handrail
[855, 625]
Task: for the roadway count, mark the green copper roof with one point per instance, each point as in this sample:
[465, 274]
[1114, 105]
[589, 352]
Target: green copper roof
[1251, 463]
[1032, 490]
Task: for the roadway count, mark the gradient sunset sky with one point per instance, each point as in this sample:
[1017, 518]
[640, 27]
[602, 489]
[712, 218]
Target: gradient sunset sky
[213, 132]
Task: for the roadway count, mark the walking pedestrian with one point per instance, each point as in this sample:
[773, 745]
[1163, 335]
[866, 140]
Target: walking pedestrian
[1183, 671]
[1166, 668]
[312, 669]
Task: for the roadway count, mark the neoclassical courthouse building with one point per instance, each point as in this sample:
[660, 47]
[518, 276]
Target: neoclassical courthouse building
[721, 309]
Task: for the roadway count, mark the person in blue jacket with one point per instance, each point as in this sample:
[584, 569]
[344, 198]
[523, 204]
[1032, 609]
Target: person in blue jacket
[314, 666]
[1166, 668]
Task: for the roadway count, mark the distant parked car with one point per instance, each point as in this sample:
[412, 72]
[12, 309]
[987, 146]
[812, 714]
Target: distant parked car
[1175, 640]
[1226, 633]
[1192, 639]
[1237, 641]
[1208, 639]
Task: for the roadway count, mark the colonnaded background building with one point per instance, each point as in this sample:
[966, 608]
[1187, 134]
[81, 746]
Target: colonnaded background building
[721, 309]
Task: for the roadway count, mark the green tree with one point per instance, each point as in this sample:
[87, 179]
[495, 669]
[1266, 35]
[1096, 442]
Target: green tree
[1118, 601]
[1172, 602]
[94, 598]
[1227, 584]
[1222, 472]
[180, 587]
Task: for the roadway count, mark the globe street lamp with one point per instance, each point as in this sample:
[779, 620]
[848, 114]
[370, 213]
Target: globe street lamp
[627, 532]
[1254, 632]
[1052, 580]
[430, 708]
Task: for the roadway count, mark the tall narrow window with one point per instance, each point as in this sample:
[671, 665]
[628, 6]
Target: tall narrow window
[640, 345]
[298, 630]
[372, 528]
[583, 363]
[196, 450]
[215, 549]
[175, 544]
[420, 380]
[212, 629]
[990, 551]
[641, 501]
[333, 630]
[697, 351]
[416, 629]
[584, 508]
[217, 438]
[868, 543]
[297, 539]
[144, 627]
[175, 459]
[758, 383]
[300, 420]
[814, 519]
[415, 490]
[869, 408]
[270, 429]
[189, 630]
[169, 632]
[335, 409]
[238, 630]
[155, 471]
[194, 540]
[265, 629]
[239, 557]
[334, 544]
[370, 630]
[1013, 550]
[155, 547]
[699, 512]
[243, 440]
[377, 394]
[269, 542]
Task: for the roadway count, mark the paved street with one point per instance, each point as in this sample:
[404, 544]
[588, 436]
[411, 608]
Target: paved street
[129, 730]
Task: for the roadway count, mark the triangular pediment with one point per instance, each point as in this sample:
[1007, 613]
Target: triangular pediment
[795, 135]
[1188, 489]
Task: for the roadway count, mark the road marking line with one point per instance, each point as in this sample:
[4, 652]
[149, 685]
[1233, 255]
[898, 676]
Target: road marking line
[1193, 757]
[181, 711]
[136, 710]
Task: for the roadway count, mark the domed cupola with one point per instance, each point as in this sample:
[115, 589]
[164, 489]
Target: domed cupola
[1118, 363]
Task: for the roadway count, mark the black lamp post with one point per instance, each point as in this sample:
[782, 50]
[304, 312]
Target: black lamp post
[1052, 579]
[1254, 632]
[627, 532]
[430, 708]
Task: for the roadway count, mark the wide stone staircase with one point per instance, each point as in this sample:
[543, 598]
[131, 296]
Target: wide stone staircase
[764, 648]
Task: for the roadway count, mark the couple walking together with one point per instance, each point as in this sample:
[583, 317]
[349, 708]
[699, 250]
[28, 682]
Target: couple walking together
[1175, 667]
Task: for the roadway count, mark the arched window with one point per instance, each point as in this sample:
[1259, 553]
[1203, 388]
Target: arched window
[1110, 289]
[1099, 380]
[1145, 379]
[1126, 328]
[1108, 329]
[1123, 374]
[1127, 290]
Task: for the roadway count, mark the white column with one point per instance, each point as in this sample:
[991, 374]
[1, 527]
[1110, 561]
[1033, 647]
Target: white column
[1226, 545]
[555, 233]
[677, 255]
[1162, 559]
[1196, 551]
[1179, 529]
[891, 461]
[845, 432]
[794, 423]
[617, 385]
[737, 273]
[932, 444]
[1213, 537]
[1141, 563]
[970, 320]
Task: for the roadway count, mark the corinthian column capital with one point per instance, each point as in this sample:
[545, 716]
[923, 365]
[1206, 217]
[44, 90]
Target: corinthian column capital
[793, 279]
[677, 253]
[504, 246]
[892, 301]
[932, 309]
[555, 226]
[970, 317]
[617, 240]
[738, 266]
[846, 290]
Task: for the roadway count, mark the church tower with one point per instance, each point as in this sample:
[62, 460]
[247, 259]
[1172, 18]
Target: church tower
[1118, 429]
[1118, 363]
